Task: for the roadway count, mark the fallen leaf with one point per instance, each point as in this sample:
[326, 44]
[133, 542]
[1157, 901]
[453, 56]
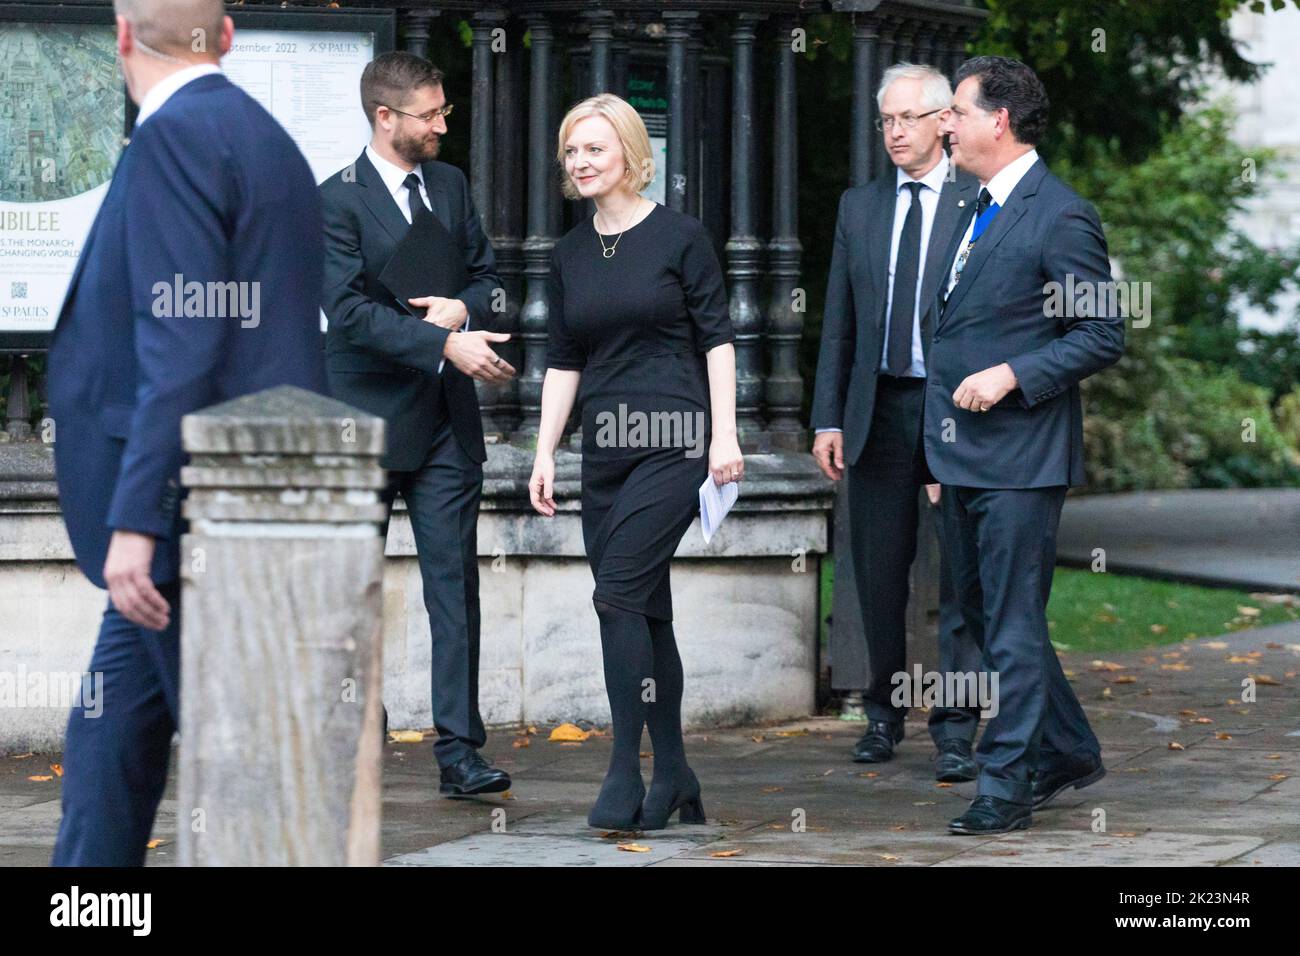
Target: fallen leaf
[1278, 777]
[870, 773]
[1273, 757]
[1175, 745]
[1127, 834]
[29, 753]
[1124, 679]
[1180, 666]
[1202, 720]
[1222, 735]
[569, 733]
[1106, 666]
[828, 773]
[1159, 628]
[40, 779]
[405, 736]
[1247, 611]
[1216, 645]
[723, 854]
[154, 844]
[943, 786]
[1004, 853]
[1187, 713]
[757, 738]
[57, 768]
[793, 733]
[633, 847]
[771, 789]
[888, 858]
[522, 742]
[1265, 680]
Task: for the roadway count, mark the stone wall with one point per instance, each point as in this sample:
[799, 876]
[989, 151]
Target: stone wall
[746, 605]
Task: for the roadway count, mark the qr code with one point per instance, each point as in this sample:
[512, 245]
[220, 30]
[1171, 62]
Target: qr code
[18, 290]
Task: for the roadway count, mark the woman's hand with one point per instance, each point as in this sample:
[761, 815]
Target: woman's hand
[541, 486]
[725, 461]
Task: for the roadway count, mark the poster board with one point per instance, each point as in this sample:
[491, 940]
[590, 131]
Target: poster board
[64, 112]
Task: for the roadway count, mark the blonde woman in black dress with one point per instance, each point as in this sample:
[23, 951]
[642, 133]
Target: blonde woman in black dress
[639, 334]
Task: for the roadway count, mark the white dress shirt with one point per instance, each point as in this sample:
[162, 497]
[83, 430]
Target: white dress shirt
[162, 91]
[999, 187]
[931, 186]
[394, 178]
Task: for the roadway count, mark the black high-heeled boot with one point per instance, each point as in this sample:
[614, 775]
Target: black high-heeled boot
[675, 786]
[629, 659]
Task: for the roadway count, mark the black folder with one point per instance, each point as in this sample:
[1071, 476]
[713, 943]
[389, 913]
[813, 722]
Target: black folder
[427, 261]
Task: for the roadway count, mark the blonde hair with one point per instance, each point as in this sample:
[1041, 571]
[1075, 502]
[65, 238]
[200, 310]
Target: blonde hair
[628, 127]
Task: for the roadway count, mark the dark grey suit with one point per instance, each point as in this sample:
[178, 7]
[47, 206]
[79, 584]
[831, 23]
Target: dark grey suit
[385, 361]
[1005, 471]
[880, 416]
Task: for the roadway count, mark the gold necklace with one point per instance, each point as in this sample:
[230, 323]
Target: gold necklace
[608, 251]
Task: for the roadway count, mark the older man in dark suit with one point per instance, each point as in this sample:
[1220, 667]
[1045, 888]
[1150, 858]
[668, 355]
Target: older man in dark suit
[1004, 427]
[210, 195]
[886, 269]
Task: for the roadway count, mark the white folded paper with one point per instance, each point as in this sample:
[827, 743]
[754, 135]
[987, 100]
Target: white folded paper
[715, 502]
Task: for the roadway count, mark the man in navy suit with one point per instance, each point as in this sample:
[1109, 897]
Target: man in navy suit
[199, 282]
[1004, 427]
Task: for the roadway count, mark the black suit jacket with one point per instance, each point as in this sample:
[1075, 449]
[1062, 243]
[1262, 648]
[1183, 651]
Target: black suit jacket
[998, 313]
[379, 357]
[853, 323]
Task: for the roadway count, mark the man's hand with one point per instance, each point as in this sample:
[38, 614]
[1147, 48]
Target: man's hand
[828, 450]
[933, 492]
[444, 313]
[983, 390]
[470, 352]
[126, 571]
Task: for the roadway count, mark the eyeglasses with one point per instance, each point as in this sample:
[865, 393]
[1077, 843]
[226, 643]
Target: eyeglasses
[428, 117]
[909, 120]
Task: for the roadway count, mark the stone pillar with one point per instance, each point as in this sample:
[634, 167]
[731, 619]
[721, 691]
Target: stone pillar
[482, 175]
[680, 27]
[18, 408]
[414, 31]
[881, 164]
[601, 35]
[864, 141]
[541, 238]
[281, 670]
[507, 219]
[784, 386]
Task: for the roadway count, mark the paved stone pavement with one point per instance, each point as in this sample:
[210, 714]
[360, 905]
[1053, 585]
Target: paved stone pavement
[789, 794]
[1243, 538]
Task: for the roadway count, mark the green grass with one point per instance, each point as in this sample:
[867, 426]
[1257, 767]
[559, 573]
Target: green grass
[1116, 612]
[1093, 613]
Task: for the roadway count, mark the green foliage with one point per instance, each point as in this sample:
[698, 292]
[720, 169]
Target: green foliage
[1173, 412]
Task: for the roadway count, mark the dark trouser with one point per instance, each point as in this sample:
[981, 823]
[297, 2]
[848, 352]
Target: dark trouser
[1002, 545]
[442, 498]
[884, 490]
[118, 741]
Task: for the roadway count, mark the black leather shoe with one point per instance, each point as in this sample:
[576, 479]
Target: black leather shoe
[877, 744]
[471, 775]
[1076, 772]
[954, 763]
[991, 815]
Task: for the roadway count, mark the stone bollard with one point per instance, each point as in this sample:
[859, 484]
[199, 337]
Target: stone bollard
[281, 668]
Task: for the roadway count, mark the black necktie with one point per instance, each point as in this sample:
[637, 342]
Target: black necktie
[983, 203]
[414, 202]
[903, 309]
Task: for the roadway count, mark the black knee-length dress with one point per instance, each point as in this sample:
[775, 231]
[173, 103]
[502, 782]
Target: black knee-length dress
[637, 326]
